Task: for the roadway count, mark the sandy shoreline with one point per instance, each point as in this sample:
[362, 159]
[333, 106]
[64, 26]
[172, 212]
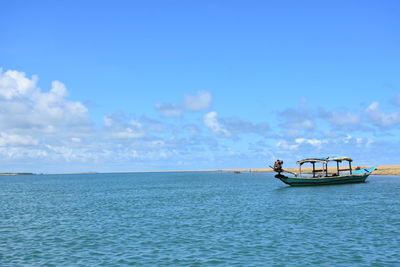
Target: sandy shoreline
[382, 170]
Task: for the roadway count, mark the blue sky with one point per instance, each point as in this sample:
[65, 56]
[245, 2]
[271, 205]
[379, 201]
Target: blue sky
[175, 85]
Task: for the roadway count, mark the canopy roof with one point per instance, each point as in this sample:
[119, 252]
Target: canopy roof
[335, 158]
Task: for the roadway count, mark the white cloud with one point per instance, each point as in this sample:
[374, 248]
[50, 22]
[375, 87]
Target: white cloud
[24, 105]
[14, 84]
[17, 140]
[200, 101]
[211, 121]
[313, 142]
[41, 128]
[296, 122]
[119, 129]
[284, 145]
[169, 110]
[358, 141]
[342, 120]
[28, 114]
[71, 153]
[127, 133]
[16, 153]
[291, 146]
[52, 107]
[231, 127]
[380, 118]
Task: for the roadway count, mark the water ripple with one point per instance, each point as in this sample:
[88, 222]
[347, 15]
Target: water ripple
[196, 219]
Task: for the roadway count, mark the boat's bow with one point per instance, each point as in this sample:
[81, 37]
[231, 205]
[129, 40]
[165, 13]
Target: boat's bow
[362, 172]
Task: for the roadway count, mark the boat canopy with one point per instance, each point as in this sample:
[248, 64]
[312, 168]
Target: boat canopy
[324, 160]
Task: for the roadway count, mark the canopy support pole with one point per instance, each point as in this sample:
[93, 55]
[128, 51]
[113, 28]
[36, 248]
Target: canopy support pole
[351, 172]
[313, 169]
[326, 169]
[337, 164]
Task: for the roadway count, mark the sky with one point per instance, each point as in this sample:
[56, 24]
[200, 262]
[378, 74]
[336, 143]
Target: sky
[188, 85]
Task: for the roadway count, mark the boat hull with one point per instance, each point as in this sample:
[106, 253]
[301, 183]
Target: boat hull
[345, 179]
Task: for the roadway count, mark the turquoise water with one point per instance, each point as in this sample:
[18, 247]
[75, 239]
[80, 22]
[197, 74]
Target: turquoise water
[196, 219]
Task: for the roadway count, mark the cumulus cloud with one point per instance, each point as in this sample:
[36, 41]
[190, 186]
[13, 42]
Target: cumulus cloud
[128, 133]
[211, 121]
[357, 141]
[231, 127]
[312, 142]
[17, 140]
[341, 119]
[296, 143]
[296, 120]
[24, 105]
[43, 126]
[37, 126]
[380, 118]
[32, 120]
[119, 129]
[284, 145]
[198, 102]
[344, 120]
[14, 84]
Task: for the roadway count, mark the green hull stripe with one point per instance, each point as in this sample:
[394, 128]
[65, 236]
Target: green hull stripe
[323, 181]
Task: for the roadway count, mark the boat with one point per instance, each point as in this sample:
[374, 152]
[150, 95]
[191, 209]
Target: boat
[322, 175]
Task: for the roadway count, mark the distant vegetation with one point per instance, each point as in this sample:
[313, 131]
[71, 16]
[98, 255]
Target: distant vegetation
[16, 173]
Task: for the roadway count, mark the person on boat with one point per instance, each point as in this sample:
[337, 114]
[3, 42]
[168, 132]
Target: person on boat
[278, 165]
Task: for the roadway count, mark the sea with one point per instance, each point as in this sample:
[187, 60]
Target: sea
[196, 219]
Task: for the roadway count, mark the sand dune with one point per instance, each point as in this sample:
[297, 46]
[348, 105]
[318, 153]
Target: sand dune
[382, 170]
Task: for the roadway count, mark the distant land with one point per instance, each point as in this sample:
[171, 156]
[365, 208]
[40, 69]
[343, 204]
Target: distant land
[382, 170]
[16, 173]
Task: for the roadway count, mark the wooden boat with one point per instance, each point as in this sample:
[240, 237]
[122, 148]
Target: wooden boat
[323, 175]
